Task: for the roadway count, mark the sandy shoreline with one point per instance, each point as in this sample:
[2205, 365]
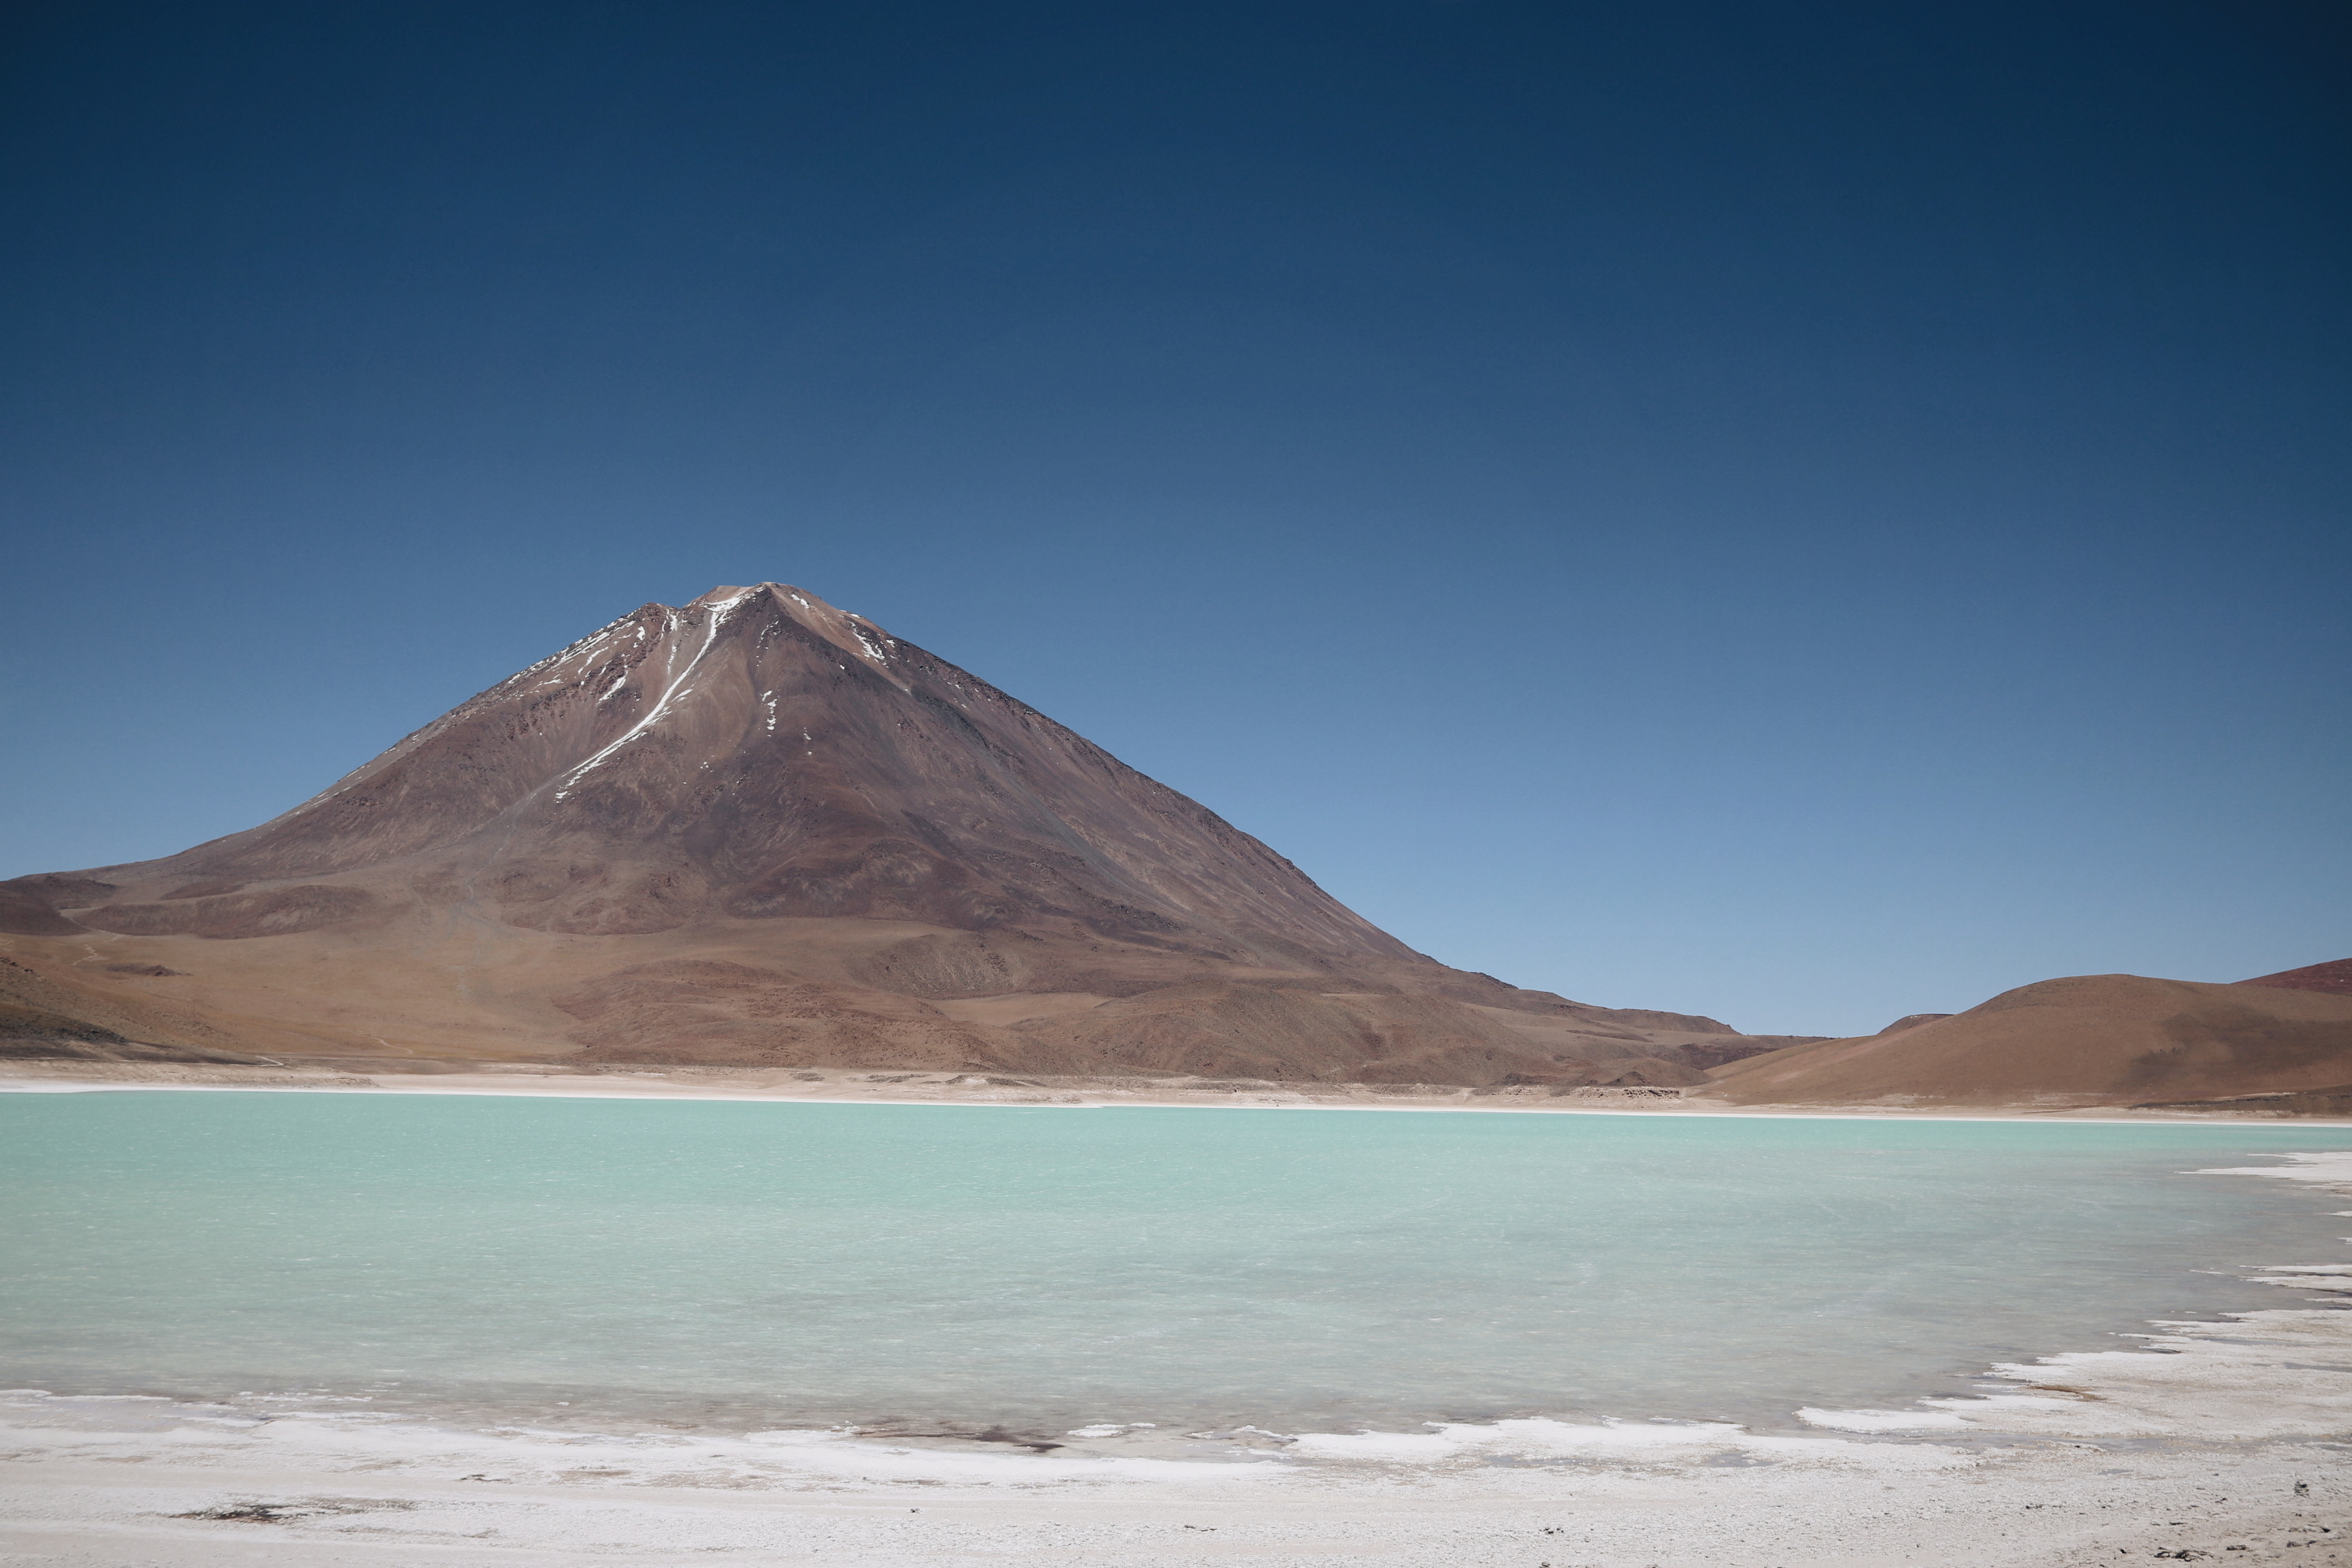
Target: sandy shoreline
[2227, 1438]
[839, 1087]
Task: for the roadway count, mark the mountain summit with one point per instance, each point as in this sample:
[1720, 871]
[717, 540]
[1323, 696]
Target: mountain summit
[757, 753]
[756, 829]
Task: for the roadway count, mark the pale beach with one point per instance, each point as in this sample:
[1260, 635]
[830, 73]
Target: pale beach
[425, 1074]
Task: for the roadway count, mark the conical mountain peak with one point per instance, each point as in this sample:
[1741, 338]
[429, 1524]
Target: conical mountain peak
[758, 828]
[759, 752]
[758, 831]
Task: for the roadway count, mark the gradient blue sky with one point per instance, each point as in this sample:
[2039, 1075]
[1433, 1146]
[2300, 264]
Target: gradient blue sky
[1806, 513]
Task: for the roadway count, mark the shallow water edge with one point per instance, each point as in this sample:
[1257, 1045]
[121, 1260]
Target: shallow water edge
[2206, 1440]
[2011, 1393]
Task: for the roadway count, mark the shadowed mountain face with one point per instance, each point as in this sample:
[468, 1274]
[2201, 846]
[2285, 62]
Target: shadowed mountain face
[756, 829]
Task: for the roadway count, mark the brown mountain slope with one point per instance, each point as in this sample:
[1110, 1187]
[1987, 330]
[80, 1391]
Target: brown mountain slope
[2092, 1039]
[45, 1017]
[2335, 978]
[757, 829]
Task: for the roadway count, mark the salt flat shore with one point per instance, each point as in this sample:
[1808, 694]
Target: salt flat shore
[2209, 1441]
[2218, 1442]
[840, 1086]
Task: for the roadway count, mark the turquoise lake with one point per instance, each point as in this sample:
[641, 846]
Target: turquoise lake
[763, 1265]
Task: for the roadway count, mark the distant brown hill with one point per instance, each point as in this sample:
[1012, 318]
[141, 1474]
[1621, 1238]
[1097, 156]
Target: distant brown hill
[2334, 978]
[2092, 1039]
[755, 829]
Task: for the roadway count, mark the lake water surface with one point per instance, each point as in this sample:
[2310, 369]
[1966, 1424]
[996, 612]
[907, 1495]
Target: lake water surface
[766, 1264]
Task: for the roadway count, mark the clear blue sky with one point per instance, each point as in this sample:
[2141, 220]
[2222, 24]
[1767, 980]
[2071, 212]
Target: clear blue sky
[1807, 512]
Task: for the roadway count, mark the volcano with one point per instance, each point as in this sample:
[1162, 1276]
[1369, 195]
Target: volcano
[756, 830]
